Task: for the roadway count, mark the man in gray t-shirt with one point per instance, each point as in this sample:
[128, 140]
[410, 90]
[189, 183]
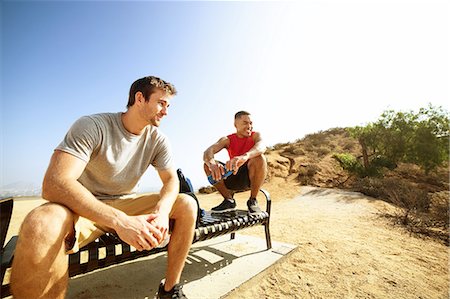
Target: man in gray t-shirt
[90, 185]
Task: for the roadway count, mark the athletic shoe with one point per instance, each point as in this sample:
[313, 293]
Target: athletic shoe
[253, 208]
[225, 206]
[175, 293]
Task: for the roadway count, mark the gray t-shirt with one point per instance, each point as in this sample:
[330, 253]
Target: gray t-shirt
[116, 159]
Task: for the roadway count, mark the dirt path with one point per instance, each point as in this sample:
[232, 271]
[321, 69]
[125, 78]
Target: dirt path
[345, 250]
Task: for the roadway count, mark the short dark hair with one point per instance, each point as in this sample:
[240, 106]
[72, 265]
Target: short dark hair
[147, 86]
[241, 113]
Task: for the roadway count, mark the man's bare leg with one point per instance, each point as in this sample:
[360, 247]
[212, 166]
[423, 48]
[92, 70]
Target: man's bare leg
[184, 213]
[39, 269]
[257, 171]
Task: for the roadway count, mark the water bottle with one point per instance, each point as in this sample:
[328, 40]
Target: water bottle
[226, 174]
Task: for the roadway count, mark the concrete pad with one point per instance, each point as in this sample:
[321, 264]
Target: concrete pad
[213, 268]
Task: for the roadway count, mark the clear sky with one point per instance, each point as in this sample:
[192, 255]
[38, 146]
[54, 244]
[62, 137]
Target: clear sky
[298, 67]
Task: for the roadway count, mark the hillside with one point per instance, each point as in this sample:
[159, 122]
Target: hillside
[309, 161]
[423, 199]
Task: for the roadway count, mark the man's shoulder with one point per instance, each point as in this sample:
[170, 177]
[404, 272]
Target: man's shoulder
[256, 136]
[99, 117]
[95, 123]
[103, 116]
[223, 141]
[106, 119]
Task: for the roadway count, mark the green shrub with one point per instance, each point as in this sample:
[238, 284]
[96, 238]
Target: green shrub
[421, 138]
[349, 163]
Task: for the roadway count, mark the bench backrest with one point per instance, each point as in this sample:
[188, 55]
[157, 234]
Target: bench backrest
[185, 183]
[6, 207]
[186, 187]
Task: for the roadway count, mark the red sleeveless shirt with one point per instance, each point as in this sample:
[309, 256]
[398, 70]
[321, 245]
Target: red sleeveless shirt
[239, 146]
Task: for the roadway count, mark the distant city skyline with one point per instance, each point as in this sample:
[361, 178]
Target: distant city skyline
[298, 67]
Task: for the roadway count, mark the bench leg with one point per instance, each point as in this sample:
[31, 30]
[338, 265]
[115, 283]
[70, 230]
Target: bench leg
[268, 240]
[233, 235]
[266, 225]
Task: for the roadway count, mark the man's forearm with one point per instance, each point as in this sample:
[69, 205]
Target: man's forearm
[208, 157]
[168, 195]
[257, 150]
[82, 202]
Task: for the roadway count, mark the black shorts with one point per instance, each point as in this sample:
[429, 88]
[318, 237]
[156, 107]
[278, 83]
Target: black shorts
[240, 181]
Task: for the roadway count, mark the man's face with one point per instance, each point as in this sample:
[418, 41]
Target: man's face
[156, 108]
[244, 126]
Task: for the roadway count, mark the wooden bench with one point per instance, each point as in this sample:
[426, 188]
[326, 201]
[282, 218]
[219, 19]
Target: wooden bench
[109, 249]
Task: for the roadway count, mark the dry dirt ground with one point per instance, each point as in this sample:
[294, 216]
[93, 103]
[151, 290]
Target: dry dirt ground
[345, 248]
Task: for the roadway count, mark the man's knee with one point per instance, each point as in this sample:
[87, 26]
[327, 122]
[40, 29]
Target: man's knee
[47, 221]
[258, 162]
[187, 205]
[40, 247]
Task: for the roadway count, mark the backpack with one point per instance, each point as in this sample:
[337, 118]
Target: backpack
[186, 187]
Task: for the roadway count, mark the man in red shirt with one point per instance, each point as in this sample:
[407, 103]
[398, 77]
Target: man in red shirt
[247, 167]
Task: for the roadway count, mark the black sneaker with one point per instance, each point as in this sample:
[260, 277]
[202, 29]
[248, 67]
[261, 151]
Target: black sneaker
[175, 293]
[253, 207]
[225, 206]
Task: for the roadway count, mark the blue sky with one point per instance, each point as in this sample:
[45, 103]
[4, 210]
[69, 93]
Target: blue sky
[298, 67]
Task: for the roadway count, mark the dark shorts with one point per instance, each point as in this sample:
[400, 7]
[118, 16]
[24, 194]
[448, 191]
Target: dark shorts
[240, 181]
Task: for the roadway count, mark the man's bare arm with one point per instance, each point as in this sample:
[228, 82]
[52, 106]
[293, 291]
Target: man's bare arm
[216, 169]
[61, 186]
[168, 195]
[259, 148]
[208, 155]
[169, 190]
